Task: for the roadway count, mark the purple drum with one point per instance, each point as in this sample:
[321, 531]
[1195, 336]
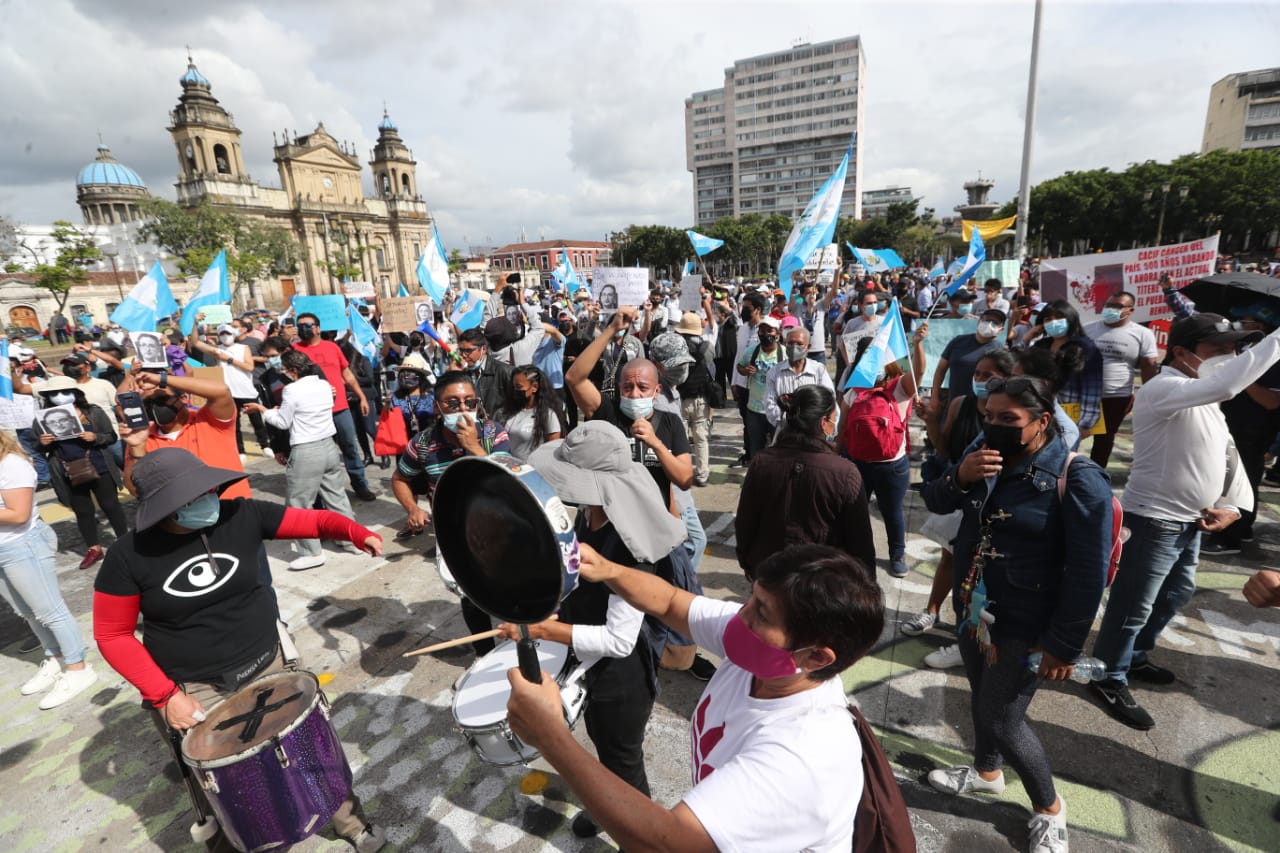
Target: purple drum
[269, 762]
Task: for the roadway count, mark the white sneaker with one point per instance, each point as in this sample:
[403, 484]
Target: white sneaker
[946, 657]
[44, 678]
[918, 624]
[1048, 832]
[306, 561]
[371, 839]
[70, 684]
[963, 780]
[350, 547]
[268, 452]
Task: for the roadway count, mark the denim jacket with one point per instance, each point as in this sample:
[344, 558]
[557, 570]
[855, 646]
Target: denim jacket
[1047, 568]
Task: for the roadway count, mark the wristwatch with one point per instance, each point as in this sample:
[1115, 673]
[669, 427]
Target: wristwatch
[164, 379]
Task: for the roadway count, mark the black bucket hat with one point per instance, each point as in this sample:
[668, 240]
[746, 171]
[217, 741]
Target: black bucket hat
[169, 478]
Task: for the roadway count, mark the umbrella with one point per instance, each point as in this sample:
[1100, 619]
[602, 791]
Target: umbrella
[1237, 295]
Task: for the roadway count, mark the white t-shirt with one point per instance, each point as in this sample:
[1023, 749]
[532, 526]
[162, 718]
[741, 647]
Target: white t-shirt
[520, 431]
[770, 775]
[239, 382]
[17, 473]
[1121, 347]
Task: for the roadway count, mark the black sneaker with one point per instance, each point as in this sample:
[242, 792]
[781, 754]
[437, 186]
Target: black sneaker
[1152, 674]
[701, 668]
[1219, 549]
[1272, 476]
[1119, 703]
[364, 493]
[32, 643]
[584, 827]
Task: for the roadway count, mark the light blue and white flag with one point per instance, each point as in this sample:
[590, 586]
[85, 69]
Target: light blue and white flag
[404, 291]
[468, 313]
[888, 346]
[365, 336]
[433, 269]
[870, 260]
[149, 300]
[689, 267]
[977, 254]
[892, 258]
[565, 276]
[6, 379]
[956, 266]
[816, 225]
[214, 289]
[939, 269]
[703, 244]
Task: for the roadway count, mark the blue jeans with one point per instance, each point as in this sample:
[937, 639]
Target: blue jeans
[31, 444]
[697, 541]
[1157, 576]
[889, 481]
[30, 585]
[350, 448]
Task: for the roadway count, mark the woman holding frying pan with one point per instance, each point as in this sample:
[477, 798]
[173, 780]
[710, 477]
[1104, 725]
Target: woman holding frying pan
[620, 514]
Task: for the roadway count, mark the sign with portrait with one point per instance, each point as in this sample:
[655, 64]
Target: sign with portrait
[61, 422]
[614, 287]
[150, 347]
[405, 313]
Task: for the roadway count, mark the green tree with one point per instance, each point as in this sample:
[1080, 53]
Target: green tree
[76, 252]
[659, 247]
[456, 260]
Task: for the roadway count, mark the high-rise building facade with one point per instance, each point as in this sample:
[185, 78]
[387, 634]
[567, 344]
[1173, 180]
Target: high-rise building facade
[1244, 112]
[776, 130]
[877, 202]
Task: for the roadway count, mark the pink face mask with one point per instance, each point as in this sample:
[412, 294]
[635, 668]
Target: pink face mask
[745, 649]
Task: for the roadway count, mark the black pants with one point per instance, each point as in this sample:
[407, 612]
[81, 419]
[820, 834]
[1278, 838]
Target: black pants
[255, 418]
[1253, 452]
[724, 375]
[81, 500]
[477, 622]
[570, 408]
[616, 728]
[1113, 411]
[756, 432]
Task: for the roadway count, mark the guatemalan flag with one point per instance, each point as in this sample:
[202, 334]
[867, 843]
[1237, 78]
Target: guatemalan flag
[977, 254]
[816, 225]
[939, 269]
[404, 291]
[433, 269]
[214, 289]
[565, 275]
[366, 337]
[468, 313]
[888, 346]
[870, 261]
[689, 267]
[703, 244]
[149, 300]
[6, 380]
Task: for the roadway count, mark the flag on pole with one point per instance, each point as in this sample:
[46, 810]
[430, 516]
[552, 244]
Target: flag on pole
[468, 313]
[6, 377]
[939, 269]
[366, 337]
[816, 225]
[565, 276]
[149, 300]
[988, 227]
[703, 244]
[870, 261]
[404, 291]
[891, 258]
[433, 268]
[689, 267]
[888, 346]
[977, 254]
[214, 289]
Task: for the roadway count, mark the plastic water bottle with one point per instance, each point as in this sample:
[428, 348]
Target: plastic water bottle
[1086, 669]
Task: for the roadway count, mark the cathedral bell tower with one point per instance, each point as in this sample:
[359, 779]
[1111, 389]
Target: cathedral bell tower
[206, 138]
[395, 174]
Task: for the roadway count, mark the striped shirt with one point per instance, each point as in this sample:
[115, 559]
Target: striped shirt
[428, 453]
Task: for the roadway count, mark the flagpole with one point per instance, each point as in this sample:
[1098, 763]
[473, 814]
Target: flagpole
[1024, 186]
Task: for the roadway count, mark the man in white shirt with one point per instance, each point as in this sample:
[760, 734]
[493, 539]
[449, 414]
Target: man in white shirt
[1125, 347]
[811, 314]
[992, 296]
[754, 308]
[1186, 479]
[798, 369]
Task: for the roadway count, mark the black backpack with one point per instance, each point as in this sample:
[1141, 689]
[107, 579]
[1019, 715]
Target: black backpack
[699, 376]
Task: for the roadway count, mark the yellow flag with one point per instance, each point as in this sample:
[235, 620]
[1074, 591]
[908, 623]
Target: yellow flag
[988, 228]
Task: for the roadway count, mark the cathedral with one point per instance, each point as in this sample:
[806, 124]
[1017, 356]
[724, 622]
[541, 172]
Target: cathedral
[320, 200]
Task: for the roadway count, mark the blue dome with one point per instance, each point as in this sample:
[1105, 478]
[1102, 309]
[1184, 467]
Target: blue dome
[386, 123]
[106, 171]
[193, 75]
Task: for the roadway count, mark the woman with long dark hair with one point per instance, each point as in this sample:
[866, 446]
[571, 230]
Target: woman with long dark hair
[1081, 394]
[531, 411]
[1030, 572]
[799, 490]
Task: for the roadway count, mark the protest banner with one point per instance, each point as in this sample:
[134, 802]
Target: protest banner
[216, 315]
[359, 289]
[691, 293]
[330, 310]
[1086, 281]
[614, 287]
[405, 313]
[824, 258]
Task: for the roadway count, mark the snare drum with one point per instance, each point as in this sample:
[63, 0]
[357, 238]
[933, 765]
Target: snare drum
[480, 704]
[269, 762]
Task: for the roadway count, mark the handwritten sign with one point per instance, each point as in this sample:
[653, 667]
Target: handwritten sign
[405, 313]
[614, 287]
[691, 293]
[330, 310]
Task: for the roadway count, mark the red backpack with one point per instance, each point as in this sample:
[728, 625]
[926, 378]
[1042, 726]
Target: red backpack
[874, 427]
[1119, 533]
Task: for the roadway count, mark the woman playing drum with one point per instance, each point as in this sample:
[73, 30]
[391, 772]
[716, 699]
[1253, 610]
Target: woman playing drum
[190, 567]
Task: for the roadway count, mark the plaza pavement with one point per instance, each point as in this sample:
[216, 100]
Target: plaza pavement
[93, 775]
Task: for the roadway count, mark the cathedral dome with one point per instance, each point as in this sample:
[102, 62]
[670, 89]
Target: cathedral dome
[107, 171]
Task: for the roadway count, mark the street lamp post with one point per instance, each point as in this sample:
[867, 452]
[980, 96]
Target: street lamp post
[1164, 198]
[115, 274]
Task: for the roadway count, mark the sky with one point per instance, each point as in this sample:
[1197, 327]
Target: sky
[566, 119]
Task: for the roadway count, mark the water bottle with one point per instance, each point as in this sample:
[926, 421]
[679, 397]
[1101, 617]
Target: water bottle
[1086, 669]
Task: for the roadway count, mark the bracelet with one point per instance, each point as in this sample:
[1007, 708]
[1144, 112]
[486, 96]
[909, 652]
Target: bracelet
[954, 484]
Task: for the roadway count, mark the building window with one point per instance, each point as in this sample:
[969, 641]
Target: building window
[417, 251]
[381, 255]
[544, 262]
[404, 184]
[221, 160]
[386, 186]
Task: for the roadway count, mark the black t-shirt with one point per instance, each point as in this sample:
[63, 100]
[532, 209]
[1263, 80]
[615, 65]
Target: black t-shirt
[963, 354]
[198, 626]
[669, 429]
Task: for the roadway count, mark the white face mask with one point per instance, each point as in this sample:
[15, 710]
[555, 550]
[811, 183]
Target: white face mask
[1210, 366]
[987, 329]
[62, 399]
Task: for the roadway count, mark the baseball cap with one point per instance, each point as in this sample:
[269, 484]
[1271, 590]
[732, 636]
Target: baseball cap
[669, 350]
[228, 329]
[771, 322]
[75, 358]
[1208, 329]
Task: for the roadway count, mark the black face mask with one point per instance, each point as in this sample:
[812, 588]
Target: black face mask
[408, 382]
[768, 340]
[306, 332]
[745, 315]
[1004, 439]
[566, 328]
[164, 413]
[75, 372]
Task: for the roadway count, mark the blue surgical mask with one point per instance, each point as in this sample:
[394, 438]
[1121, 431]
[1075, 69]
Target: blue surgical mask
[964, 308]
[452, 419]
[273, 361]
[868, 310]
[1112, 315]
[200, 513]
[1056, 328]
[980, 390]
[636, 408]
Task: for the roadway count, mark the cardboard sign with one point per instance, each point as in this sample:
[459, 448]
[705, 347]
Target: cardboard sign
[614, 287]
[405, 313]
[330, 310]
[691, 293]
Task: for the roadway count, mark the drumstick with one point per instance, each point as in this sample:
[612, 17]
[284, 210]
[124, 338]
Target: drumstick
[448, 644]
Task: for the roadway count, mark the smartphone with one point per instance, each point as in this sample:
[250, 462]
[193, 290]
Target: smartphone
[131, 409]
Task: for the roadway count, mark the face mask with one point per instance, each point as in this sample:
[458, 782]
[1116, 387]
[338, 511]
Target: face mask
[273, 361]
[74, 373]
[1210, 366]
[636, 408]
[1004, 439]
[306, 332]
[831, 436]
[745, 315]
[1110, 316]
[565, 327]
[797, 352]
[746, 650]
[1034, 298]
[452, 419]
[619, 334]
[408, 381]
[1055, 328]
[62, 399]
[868, 310]
[227, 338]
[678, 375]
[163, 414]
[473, 368]
[964, 308]
[200, 513]
[980, 390]
[987, 329]
[768, 340]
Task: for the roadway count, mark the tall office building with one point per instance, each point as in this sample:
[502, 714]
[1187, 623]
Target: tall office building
[776, 130]
[1244, 112]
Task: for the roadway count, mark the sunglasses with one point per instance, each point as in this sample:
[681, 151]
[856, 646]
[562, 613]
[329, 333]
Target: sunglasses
[1016, 385]
[306, 325]
[469, 350]
[453, 404]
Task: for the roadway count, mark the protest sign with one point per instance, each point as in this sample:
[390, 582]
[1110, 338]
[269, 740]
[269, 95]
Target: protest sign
[216, 315]
[691, 293]
[1006, 271]
[614, 287]
[330, 310]
[941, 332]
[824, 258]
[1087, 281]
[405, 313]
[359, 289]
[150, 347]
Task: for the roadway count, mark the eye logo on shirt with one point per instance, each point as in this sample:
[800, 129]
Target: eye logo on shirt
[197, 577]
